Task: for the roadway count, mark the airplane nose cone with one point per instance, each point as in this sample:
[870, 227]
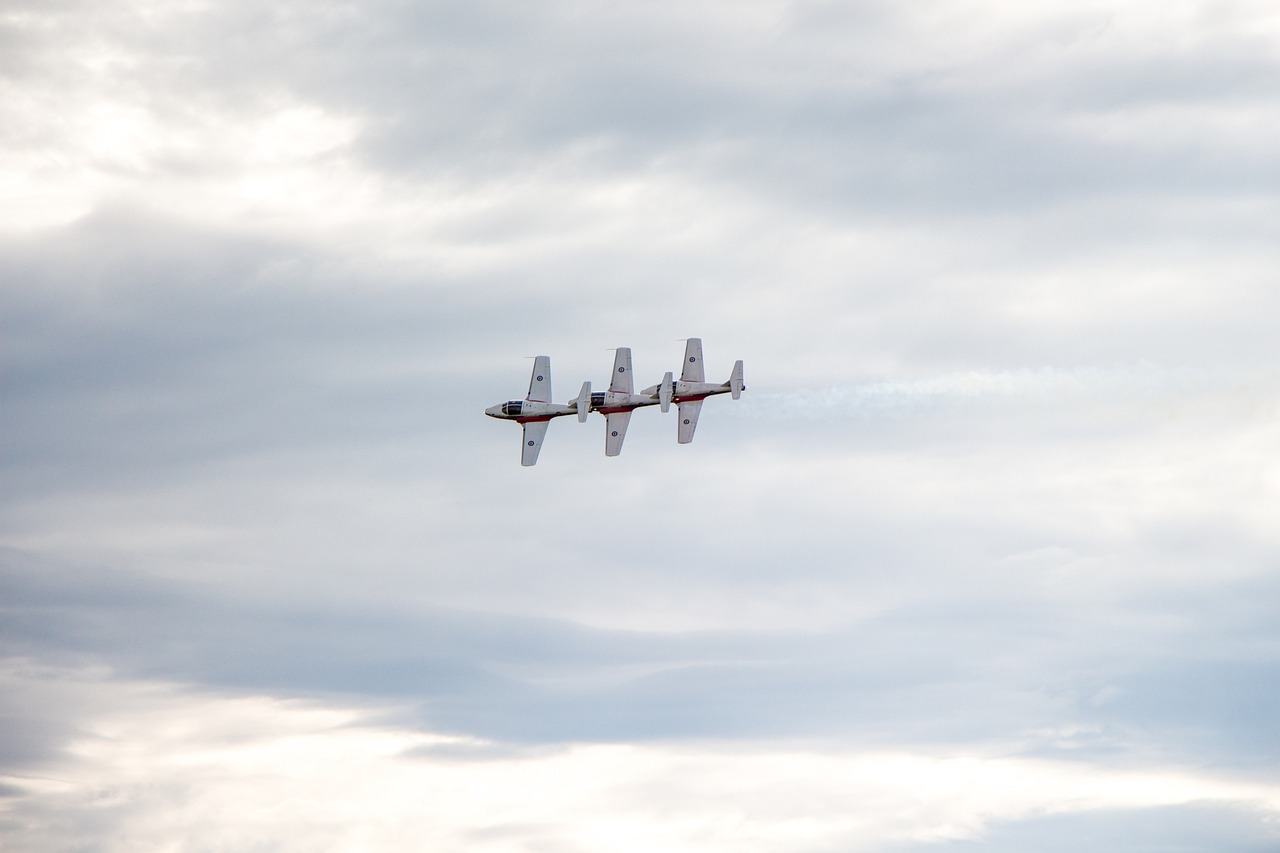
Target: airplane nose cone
[492, 411]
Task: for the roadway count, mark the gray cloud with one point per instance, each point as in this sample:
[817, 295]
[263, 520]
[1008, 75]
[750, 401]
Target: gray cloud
[1234, 826]
[1003, 281]
[1016, 671]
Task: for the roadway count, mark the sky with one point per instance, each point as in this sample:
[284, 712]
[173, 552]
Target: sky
[985, 557]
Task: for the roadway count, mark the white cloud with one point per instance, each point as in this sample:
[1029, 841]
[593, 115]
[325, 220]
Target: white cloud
[1003, 281]
[154, 765]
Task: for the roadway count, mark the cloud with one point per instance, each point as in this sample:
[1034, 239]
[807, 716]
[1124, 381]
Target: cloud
[330, 775]
[1094, 674]
[1181, 828]
[998, 503]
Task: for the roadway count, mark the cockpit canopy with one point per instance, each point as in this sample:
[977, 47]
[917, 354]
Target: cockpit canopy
[512, 407]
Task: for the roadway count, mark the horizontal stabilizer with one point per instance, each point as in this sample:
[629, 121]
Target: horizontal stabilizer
[583, 403]
[735, 380]
[665, 392]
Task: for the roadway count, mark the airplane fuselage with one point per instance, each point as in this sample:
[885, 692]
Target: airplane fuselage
[612, 402]
[685, 392]
[527, 411]
[682, 392]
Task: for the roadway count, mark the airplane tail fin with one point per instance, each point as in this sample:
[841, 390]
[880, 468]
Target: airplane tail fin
[665, 392]
[735, 380]
[583, 403]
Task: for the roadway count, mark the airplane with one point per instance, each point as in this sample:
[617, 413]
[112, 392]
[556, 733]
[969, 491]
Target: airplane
[536, 411]
[692, 388]
[620, 401]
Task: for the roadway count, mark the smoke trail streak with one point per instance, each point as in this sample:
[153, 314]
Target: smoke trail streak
[1041, 387]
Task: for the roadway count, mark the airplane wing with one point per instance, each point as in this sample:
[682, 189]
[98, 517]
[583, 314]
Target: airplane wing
[534, 432]
[693, 364]
[620, 382]
[615, 430]
[540, 381]
[688, 416]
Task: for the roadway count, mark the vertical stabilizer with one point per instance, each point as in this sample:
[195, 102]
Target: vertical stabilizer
[583, 403]
[735, 380]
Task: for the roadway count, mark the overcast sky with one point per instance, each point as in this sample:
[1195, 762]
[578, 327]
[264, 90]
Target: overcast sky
[985, 558]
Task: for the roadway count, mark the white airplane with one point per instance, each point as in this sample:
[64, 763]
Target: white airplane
[620, 401]
[692, 389]
[536, 411]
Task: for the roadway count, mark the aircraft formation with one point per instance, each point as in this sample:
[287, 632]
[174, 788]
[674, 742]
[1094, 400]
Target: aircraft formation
[536, 411]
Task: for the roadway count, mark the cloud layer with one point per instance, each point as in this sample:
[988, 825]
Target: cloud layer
[984, 555]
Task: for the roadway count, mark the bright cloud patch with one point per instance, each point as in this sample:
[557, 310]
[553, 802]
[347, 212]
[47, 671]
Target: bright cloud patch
[155, 766]
[985, 554]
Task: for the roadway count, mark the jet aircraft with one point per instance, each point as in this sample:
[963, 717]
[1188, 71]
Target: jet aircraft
[692, 388]
[536, 411]
[620, 401]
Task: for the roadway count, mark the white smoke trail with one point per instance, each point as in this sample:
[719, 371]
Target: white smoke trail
[1044, 386]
